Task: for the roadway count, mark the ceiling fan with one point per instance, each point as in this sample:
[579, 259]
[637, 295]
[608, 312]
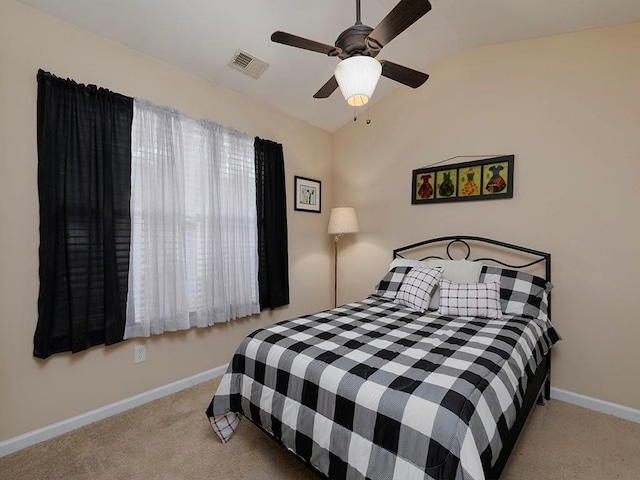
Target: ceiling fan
[358, 72]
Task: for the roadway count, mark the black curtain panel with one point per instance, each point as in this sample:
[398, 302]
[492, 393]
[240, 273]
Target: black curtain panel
[272, 225]
[84, 185]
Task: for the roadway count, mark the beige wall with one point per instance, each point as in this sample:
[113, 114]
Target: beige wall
[568, 107]
[35, 393]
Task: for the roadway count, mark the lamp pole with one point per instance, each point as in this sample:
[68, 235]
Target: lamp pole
[342, 220]
[335, 272]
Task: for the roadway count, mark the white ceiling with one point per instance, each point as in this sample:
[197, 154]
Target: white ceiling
[201, 36]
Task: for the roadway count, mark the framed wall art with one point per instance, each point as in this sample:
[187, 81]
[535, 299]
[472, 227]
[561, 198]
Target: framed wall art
[487, 179]
[308, 195]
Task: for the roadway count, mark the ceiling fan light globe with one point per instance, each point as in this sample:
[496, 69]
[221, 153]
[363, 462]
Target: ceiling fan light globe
[357, 77]
[357, 100]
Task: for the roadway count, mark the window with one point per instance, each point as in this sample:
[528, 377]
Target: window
[198, 209]
[194, 255]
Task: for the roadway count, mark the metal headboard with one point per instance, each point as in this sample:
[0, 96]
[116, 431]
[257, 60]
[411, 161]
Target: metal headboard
[538, 256]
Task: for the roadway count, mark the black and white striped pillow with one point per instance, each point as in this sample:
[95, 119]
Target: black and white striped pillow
[418, 286]
[480, 300]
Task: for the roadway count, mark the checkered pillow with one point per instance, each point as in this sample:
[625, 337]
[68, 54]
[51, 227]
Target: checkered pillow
[456, 271]
[225, 425]
[417, 287]
[390, 284]
[470, 299]
[521, 293]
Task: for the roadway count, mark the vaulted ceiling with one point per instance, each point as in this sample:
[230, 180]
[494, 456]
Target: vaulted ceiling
[201, 37]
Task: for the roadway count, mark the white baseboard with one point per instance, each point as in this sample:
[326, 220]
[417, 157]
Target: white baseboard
[36, 436]
[602, 406]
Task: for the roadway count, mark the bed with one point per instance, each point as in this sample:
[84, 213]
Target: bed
[387, 388]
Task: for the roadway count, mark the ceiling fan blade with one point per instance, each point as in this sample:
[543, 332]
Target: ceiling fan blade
[327, 89]
[304, 43]
[403, 15]
[407, 76]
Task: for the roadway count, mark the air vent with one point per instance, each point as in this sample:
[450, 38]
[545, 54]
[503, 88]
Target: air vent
[247, 63]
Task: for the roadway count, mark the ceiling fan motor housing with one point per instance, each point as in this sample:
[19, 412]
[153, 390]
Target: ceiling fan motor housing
[353, 41]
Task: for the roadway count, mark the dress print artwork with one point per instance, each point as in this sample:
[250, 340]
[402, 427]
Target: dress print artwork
[446, 183]
[494, 178]
[483, 179]
[470, 179]
[424, 185]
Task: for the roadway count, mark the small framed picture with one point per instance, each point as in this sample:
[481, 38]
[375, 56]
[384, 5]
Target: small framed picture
[308, 195]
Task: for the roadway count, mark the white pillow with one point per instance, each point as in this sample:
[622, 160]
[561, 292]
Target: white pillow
[470, 299]
[456, 271]
[407, 262]
[417, 287]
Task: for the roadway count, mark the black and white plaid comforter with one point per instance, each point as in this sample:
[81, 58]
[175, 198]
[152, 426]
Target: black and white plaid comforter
[375, 390]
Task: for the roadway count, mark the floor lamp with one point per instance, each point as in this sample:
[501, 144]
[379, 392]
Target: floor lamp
[342, 220]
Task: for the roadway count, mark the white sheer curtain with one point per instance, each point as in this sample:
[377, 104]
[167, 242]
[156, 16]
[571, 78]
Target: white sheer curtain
[194, 257]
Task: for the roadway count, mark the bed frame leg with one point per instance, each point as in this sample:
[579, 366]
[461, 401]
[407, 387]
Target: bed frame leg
[547, 382]
[545, 392]
[547, 389]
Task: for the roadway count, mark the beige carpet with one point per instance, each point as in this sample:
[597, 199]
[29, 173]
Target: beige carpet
[171, 439]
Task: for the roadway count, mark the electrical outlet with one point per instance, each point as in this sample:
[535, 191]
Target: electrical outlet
[139, 354]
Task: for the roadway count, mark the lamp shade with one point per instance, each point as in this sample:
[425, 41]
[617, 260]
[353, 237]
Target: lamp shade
[343, 220]
[358, 77]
